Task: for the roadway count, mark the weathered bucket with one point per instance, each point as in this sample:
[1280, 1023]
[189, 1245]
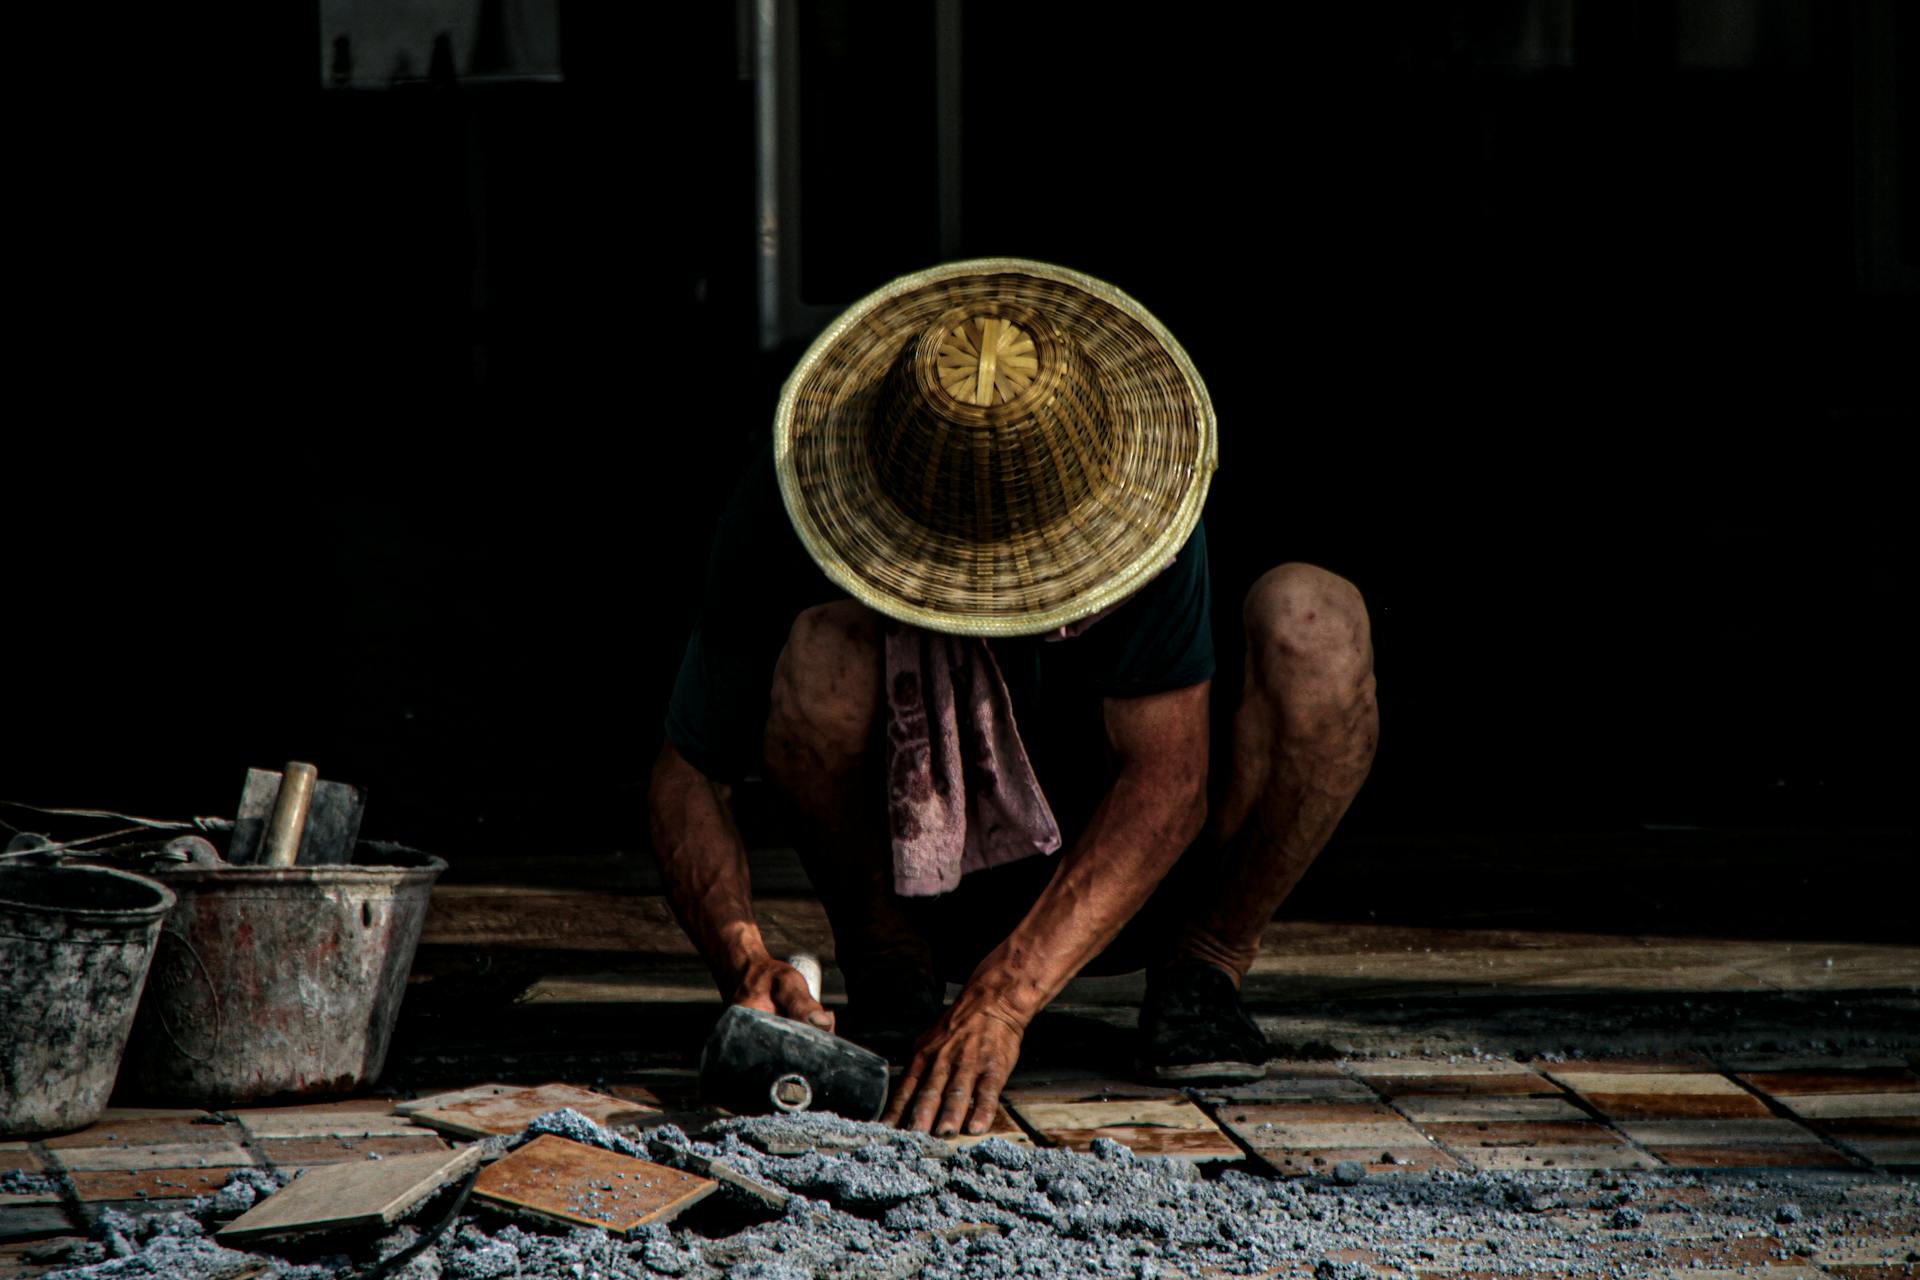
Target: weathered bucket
[75, 944]
[276, 981]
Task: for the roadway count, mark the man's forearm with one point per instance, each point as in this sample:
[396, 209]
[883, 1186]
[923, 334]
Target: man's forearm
[1149, 816]
[703, 864]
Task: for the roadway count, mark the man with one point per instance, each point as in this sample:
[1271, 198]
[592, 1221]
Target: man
[958, 615]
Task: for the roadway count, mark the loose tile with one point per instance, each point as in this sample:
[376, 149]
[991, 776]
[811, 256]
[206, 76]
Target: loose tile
[1819, 1106]
[349, 1196]
[1897, 1153]
[18, 1155]
[147, 1184]
[1151, 1126]
[569, 1182]
[509, 1113]
[328, 1123]
[1452, 1109]
[166, 1155]
[472, 1093]
[288, 1154]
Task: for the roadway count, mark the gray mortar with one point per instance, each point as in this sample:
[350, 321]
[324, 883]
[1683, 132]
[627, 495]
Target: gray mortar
[871, 1203]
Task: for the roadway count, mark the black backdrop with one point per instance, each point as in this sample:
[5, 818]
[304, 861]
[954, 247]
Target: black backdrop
[402, 415]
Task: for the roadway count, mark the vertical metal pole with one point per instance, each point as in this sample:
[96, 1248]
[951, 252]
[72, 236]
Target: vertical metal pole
[947, 114]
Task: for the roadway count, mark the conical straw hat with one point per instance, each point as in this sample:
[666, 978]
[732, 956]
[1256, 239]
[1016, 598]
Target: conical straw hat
[996, 447]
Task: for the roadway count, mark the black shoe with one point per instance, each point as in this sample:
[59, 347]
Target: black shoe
[889, 1007]
[1194, 1030]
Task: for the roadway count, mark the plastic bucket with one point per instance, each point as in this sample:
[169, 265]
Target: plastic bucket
[274, 981]
[75, 944]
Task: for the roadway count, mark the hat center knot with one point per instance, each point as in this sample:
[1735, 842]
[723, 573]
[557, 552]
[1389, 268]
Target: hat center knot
[985, 360]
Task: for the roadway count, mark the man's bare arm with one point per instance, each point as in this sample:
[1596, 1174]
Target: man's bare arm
[704, 866]
[1153, 810]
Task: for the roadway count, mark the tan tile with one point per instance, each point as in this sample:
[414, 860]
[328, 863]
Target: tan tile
[1789, 1155]
[451, 1096]
[142, 1131]
[1586, 1080]
[1695, 1133]
[172, 1155]
[1275, 1130]
[1471, 1137]
[1898, 1152]
[329, 1123]
[297, 1153]
[346, 1197]
[512, 1112]
[1546, 1156]
[147, 1184]
[1162, 1126]
[1820, 1106]
[1451, 1109]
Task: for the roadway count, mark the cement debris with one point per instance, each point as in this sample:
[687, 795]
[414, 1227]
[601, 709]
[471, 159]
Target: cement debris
[871, 1203]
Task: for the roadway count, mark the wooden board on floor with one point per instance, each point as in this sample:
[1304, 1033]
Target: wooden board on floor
[509, 1113]
[577, 1185]
[1148, 1127]
[340, 1197]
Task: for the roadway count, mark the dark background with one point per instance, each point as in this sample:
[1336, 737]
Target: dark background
[388, 425]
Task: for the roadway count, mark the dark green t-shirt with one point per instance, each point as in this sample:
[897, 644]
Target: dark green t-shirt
[760, 578]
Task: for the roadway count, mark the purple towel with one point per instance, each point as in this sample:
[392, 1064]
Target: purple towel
[961, 794]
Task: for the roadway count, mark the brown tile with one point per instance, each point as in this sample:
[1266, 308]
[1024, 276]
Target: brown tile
[1424, 1108]
[579, 1185]
[147, 1184]
[329, 1122]
[1470, 1137]
[1790, 1155]
[1782, 1084]
[1554, 1156]
[297, 1153]
[1687, 1063]
[1321, 1162]
[1702, 1133]
[1291, 1136]
[512, 1112]
[348, 1197]
[1166, 1126]
[167, 1155]
[142, 1131]
[1850, 1106]
[18, 1155]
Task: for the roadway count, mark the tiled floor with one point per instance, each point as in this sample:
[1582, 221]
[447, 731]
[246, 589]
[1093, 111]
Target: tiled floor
[1395, 1117]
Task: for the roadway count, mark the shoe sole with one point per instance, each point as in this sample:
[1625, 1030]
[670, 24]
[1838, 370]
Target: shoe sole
[1208, 1073]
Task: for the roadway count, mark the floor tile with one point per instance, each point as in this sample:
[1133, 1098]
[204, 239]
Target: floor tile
[1896, 1153]
[1820, 1106]
[1166, 1126]
[346, 1197]
[147, 1184]
[18, 1155]
[1785, 1084]
[509, 1113]
[1662, 1095]
[1791, 1155]
[143, 1131]
[449, 1097]
[31, 1221]
[1550, 1156]
[1388, 1068]
[319, 1123]
[1687, 1063]
[552, 1177]
[1470, 1137]
[1454, 1109]
[1658, 1133]
[172, 1155]
[1077, 1087]
[288, 1154]
[1289, 1089]
[1299, 1138]
[1004, 1127]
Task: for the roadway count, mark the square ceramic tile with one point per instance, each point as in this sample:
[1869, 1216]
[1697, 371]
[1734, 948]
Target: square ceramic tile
[1424, 1108]
[1600, 1156]
[1004, 1127]
[32, 1221]
[137, 1130]
[1698, 1133]
[1893, 1153]
[1468, 1138]
[1851, 1106]
[339, 1197]
[18, 1155]
[1836, 1079]
[1321, 1163]
[1289, 1080]
[1077, 1086]
[1304, 1138]
[510, 1113]
[1166, 1126]
[577, 1185]
[1786, 1155]
[449, 1097]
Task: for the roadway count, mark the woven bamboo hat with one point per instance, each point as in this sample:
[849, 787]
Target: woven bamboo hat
[995, 447]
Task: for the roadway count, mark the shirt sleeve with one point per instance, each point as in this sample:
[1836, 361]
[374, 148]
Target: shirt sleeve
[1162, 637]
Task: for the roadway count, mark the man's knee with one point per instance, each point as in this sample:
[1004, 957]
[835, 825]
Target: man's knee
[1307, 634]
[827, 683]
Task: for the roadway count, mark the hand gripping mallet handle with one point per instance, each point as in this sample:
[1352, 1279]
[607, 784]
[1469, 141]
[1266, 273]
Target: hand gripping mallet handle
[793, 1091]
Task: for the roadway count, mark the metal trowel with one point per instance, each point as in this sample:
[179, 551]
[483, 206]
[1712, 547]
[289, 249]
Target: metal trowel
[295, 816]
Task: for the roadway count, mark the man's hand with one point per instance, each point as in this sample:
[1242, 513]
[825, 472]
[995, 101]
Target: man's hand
[774, 986]
[959, 1068]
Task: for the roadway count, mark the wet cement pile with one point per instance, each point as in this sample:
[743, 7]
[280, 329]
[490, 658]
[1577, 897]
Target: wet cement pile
[870, 1203]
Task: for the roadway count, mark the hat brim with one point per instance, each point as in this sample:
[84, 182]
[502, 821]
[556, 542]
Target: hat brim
[1046, 574]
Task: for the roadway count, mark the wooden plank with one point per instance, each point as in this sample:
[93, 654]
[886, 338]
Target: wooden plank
[577, 1185]
[342, 1197]
[509, 1113]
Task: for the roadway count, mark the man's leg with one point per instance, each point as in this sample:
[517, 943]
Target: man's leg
[1303, 740]
[823, 751]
